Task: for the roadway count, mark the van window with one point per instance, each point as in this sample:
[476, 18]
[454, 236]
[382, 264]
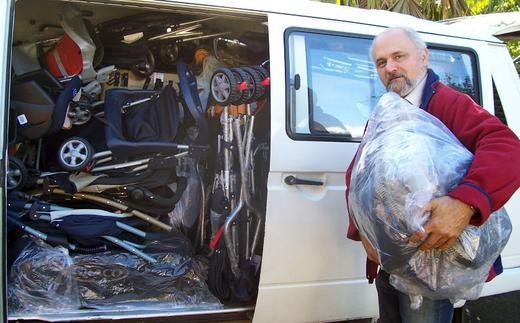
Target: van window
[456, 68]
[333, 84]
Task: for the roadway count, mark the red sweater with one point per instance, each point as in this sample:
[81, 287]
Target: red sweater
[493, 176]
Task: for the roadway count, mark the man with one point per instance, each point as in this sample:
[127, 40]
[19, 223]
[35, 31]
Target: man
[401, 59]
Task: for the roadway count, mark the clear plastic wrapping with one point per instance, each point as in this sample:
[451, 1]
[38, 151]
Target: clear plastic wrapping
[185, 215]
[115, 280]
[406, 158]
[42, 280]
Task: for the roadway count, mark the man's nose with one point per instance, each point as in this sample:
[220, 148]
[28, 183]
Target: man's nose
[391, 65]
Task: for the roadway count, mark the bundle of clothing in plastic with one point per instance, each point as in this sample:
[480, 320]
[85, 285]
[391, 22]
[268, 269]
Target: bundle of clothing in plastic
[407, 158]
[46, 279]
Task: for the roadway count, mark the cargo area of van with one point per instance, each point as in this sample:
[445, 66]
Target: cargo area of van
[138, 155]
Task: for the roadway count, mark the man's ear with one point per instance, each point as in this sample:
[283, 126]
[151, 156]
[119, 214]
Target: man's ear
[425, 56]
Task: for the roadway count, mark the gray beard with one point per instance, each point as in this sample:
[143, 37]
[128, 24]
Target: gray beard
[407, 89]
[410, 85]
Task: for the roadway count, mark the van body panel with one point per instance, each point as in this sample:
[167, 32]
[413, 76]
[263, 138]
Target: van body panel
[301, 220]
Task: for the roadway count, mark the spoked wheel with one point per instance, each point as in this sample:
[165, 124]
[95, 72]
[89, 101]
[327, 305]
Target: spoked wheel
[79, 114]
[16, 174]
[223, 87]
[75, 153]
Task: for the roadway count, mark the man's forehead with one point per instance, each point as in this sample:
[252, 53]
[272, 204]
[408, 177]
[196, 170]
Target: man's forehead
[391, 42]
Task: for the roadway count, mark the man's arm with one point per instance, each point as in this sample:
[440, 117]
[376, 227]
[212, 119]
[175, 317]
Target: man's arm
[491, 179]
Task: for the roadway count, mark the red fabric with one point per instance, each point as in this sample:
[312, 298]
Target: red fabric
[216, 238]
[488, 184]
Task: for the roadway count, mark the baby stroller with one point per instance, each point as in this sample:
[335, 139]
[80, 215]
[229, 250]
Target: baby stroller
[86, 230]
[40, 106]
[140, 125]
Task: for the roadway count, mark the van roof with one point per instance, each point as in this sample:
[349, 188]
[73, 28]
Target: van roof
[504, 25]
[306, 8]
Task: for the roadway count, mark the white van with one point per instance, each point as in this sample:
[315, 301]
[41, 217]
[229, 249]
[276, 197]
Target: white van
[321, 88]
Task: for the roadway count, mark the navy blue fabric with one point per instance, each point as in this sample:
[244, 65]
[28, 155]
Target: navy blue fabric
[62, 104]
[191, 99]
[497, 266]
[429, 89]
[88, 225]
[146, 128]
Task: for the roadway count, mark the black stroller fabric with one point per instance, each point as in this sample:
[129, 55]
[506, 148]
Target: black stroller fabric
[222, 282]
[148, 127]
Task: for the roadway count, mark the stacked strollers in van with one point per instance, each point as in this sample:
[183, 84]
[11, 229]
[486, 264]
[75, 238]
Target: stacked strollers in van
[106, 193]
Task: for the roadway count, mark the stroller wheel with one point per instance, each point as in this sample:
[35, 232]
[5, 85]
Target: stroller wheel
[255, 79]
[16, 174]
[79, 114]
[223, 87]
[75, 153]
[145, 68]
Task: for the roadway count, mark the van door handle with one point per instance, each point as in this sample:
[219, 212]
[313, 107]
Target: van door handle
[291, 180]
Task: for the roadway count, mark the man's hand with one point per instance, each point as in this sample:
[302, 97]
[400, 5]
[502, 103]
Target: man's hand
[371, 251]
[449, 217]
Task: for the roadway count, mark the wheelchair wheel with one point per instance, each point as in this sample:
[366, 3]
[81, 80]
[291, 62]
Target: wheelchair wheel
[223, 87]
[75, 154]
[16, 174]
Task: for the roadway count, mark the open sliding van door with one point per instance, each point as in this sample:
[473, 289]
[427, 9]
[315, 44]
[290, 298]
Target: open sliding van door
[310, 270]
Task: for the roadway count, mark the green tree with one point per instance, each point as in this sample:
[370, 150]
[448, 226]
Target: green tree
[478, 7]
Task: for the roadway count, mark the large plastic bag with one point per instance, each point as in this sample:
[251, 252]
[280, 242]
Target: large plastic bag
[406, 158]
[42, 280]
[117, 280]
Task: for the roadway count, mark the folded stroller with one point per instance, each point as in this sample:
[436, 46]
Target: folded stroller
[83, 230]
